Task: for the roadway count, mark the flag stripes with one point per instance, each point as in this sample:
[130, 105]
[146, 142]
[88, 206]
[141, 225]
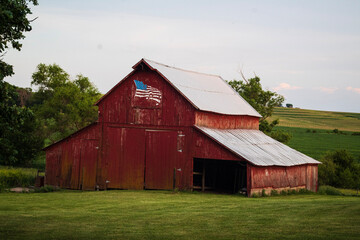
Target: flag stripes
[148, 92]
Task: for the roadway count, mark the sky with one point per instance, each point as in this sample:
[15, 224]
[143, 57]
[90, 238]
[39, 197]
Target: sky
[307, 51]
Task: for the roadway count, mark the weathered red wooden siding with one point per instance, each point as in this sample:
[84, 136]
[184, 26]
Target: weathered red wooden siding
[138, 157]
[124, 157]
[279, 178]
[204, 147]
[220, 121]
[121, 106]
[161, 155]
[52, 167]
[312, 178]
[67, 160]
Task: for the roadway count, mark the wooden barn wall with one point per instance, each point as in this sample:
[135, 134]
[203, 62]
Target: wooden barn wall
[220, 121]
[205, 147]
[282, 178]
[123, 107]
[137, 157]
[52, 167]
[312, 177]
[71, 162]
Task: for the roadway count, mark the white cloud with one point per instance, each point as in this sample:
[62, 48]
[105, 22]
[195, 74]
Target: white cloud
[356, 90]
[327, 89]
[285, 86]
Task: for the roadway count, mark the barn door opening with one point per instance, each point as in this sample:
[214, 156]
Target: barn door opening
[219, 175]
[160, 159]
[87, 170]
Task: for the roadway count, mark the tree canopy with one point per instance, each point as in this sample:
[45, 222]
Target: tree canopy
[62, 105]
[14, 22]
[19, 142]
[264, 101]
[339, 169]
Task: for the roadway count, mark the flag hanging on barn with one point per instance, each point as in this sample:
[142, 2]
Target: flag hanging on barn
[148, 92]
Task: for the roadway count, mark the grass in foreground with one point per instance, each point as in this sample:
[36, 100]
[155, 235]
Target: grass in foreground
[316, 142]
[165, 215]
[303, 118]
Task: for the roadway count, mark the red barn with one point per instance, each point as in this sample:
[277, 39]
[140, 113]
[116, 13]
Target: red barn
[162, 128]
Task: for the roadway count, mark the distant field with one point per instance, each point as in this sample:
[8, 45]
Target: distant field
[315, 144]
[292, 117]
[167, 215]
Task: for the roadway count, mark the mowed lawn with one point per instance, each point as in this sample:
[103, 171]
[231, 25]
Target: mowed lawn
[317, 142]
[167, 215]
[303, 118]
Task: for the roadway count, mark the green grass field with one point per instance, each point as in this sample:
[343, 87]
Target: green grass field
[167, 215]
[318, 141]
[315, 144]
[302, 118]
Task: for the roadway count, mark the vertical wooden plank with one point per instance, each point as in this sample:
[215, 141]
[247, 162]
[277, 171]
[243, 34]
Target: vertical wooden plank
[203, 176]
[161, 150]
[125, 158]
[88, 163]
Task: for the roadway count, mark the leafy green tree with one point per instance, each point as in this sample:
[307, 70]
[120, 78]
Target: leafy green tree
[18, 140]
[339, 169]
[13, 24]
[63, 105]
[327, 171]
[264, 101]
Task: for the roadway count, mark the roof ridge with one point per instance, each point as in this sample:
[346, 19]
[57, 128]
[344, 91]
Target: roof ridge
[181, 69]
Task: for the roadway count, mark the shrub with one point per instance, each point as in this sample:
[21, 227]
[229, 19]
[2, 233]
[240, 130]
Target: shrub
[304, 191]
[336, 130]
[263, 193]
[255, 195]
[281, 136]
[283, 193]
[12, 177]
[274, 193]
[308, 130]
[314, 131]
[339, 169]
[328, 190]
[356, 134]
[291, 192]
[45, 189]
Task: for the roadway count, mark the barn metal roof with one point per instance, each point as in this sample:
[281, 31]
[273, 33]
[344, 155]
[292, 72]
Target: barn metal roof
[206, 92]
[257, 148]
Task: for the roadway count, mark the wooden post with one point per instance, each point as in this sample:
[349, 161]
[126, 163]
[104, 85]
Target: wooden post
[174, 179]
[236, 179]
[203, 178]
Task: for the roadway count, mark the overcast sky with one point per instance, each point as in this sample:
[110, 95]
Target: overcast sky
[308, 51]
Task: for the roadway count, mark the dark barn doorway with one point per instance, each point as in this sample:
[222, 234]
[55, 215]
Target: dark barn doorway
[219, 175]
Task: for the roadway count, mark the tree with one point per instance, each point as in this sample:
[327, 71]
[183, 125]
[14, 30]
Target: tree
[339, 169]
[263, 101]
[14, 22]
[62, 105]
[18, 142]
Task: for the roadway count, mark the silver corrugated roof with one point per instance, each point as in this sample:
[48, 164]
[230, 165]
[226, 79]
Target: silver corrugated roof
[257, 148]
[206, 92]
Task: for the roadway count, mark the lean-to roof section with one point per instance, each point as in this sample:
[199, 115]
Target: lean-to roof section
[257, 148]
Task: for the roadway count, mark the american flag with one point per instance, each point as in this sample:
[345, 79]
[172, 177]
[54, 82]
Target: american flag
[148, 92]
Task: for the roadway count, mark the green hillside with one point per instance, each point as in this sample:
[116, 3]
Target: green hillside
[312, 131]
[303, 118]
[316, 142]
